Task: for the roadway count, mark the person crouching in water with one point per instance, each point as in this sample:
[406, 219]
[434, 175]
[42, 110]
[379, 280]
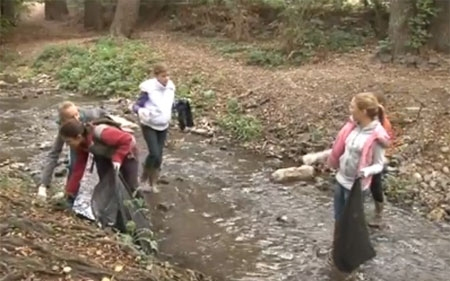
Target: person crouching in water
[154, 109]
[112, 149]
[358, 149]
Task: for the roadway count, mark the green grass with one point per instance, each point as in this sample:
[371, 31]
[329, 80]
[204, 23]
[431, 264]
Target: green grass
[106, 68]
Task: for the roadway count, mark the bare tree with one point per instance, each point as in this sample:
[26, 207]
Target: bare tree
[125, 18]
[8, 11]
[93, 14]
[440, 28]
[399, 34]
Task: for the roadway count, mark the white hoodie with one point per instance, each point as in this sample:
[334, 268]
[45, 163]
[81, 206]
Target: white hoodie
[157, 110]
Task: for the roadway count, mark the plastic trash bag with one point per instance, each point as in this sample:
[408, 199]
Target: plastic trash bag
[113, 205]
[351, 245]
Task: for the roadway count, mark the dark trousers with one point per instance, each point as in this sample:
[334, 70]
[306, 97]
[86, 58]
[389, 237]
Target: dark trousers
[155, 144]
[128, 169]
[376, 188]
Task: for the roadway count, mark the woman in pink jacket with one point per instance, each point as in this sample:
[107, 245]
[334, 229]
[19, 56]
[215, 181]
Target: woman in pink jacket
[358, 149]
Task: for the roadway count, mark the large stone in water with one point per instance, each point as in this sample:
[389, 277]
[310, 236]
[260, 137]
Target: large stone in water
[302, 173]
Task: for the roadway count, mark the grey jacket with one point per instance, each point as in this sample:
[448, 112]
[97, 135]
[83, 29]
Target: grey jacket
[86, 115]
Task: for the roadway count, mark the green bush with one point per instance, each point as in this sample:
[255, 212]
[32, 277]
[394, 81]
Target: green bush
[106, 68]
[243, 127]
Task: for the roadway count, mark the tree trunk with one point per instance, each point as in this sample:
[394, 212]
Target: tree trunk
[125, 18]
[8, 11]
[93, 14]
[399, 35]
[56, 9]
[440, 28]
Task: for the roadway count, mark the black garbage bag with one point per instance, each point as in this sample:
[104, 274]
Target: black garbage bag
[351, 245]
[113, 205]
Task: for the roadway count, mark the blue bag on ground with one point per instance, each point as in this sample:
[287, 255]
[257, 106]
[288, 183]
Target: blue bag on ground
[113, 205]
[351, 245]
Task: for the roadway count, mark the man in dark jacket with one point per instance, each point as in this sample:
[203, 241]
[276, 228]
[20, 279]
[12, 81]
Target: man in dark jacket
[66, 111]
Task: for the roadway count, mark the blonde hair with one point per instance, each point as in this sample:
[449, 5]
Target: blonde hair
[368, 102]
[380, 97]
[63, 107]
[159, 68]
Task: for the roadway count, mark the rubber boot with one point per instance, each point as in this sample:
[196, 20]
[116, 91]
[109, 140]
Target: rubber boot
[145, 185]
[377, 219]
[153, 179]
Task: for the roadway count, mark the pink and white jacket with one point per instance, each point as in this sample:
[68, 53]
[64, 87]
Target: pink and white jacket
[358, 150]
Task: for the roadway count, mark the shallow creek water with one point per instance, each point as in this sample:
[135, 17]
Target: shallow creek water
[220, 214]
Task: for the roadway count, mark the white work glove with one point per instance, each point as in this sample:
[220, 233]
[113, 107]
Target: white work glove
[42, 192]
[364, 173]
[116, 166]
[309, 159]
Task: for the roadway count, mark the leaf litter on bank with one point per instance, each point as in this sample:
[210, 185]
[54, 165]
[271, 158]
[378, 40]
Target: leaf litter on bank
[40, 243]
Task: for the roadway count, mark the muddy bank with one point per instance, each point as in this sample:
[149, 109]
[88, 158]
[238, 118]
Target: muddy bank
[219, 213]
[40, 243]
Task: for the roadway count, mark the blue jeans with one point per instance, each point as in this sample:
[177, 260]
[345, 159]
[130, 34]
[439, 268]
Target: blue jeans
[341, 195]
[155, 143]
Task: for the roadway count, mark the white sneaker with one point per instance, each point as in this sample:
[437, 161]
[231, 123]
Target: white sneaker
[42, 192]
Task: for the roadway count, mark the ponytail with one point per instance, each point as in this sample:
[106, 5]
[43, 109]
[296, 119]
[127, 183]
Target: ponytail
[381, 114]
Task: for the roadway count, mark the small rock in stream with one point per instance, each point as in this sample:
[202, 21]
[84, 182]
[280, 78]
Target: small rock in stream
[61, 172]
[165, 207]
[45, 145]
[282, 219]
[3, 84]
[202, 132]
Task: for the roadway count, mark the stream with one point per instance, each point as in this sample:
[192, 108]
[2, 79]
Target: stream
[219, 213]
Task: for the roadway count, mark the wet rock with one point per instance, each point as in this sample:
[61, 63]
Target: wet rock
[34, 173]
[17, 166]
[165, 207]
[417, 177]
[9, 78]
[286, 256]
[61, 172]
[283, 219]
[433, 184]
[437, 214]
[301, 173]
[3, 84]
[428, 177]
[45, 145]
[202, 132]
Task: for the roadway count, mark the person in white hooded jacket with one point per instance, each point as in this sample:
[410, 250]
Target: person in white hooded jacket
[154, 109]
